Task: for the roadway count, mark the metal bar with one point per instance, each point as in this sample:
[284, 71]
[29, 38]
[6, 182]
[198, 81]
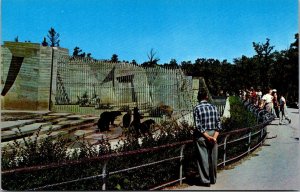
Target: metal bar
[104, 175]
[249, 142]
[225, 148]
[114, 155]
[144, 165]
[104, 168]
[166, 184]
[261, 135]
[65, 182]
[233, 141]
[251, 149]
[181, 163]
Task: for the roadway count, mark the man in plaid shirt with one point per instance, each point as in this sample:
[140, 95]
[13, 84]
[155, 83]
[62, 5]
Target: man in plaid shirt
[208, 123]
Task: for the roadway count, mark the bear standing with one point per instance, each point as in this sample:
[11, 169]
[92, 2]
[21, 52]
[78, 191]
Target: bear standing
[127, 119]
[107, 118]
[136, 123]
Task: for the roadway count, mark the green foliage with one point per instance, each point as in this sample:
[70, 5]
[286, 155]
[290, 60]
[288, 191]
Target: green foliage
[54, 150]
[53, 37]
[78, 52]
[239, 116]
[35, 151]
[260, 70]
[114, 58]
[45, 43]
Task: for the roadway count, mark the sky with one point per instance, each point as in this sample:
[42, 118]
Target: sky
[183, 30]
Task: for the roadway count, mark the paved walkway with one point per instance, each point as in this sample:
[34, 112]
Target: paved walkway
[275, 166]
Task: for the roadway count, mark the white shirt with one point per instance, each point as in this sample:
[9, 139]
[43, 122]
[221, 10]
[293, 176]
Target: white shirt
[259, 93]
[282, 101]
[268, 98]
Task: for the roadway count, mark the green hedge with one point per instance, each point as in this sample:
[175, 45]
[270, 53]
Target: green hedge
[239, 116]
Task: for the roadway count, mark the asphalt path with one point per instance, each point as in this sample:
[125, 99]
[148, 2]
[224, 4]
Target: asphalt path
[274, 166]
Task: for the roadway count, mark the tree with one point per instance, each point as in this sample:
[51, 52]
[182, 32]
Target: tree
[291, 70]
[78, 52]
[172, 64]
[44, 43]
[295, 45]
[152, 59]
[263, 55]
[187, 67]
[114, 58]
[134, 62]
[53, 37]
[17, 39]
[151, 56]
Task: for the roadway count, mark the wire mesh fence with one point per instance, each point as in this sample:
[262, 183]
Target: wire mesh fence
[86, 86]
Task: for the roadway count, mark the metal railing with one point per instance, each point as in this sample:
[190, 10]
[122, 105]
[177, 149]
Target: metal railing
[106, 158]
[245, 134]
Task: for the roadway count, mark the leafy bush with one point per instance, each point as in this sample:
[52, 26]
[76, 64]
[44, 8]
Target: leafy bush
[239, 116]
[55, 150]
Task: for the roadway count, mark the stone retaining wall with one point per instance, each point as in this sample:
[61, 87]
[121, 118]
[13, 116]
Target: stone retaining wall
[31, 88]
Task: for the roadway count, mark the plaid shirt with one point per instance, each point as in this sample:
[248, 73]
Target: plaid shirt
[207, 117]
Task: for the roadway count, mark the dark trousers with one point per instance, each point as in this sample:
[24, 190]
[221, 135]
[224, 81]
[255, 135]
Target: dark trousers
[206, 159]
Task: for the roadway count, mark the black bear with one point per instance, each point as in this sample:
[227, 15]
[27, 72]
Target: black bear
[136, 123]
[106, 118]
[145, 126]
[127, 119]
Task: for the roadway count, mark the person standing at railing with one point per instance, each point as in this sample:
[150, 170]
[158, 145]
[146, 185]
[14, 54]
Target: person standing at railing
[259, 94]
[276, 104]
[208, 126]
[267, 98]
[253, 96]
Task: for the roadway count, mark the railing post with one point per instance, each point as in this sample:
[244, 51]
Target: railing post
[249, 142]
[181, 164]
[225, 149]
[104, 175]
[261, 136]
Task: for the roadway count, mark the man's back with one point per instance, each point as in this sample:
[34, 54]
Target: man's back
[207, 117]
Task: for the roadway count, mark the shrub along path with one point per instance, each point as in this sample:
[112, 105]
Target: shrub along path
[275, 166]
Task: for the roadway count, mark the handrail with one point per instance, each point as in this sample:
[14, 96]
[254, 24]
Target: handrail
[92, 159]
[140, 151]
[105, 173]
[145, 150]
[113, 155]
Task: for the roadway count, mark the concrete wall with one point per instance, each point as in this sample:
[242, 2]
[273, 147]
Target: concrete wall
[31, 89]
